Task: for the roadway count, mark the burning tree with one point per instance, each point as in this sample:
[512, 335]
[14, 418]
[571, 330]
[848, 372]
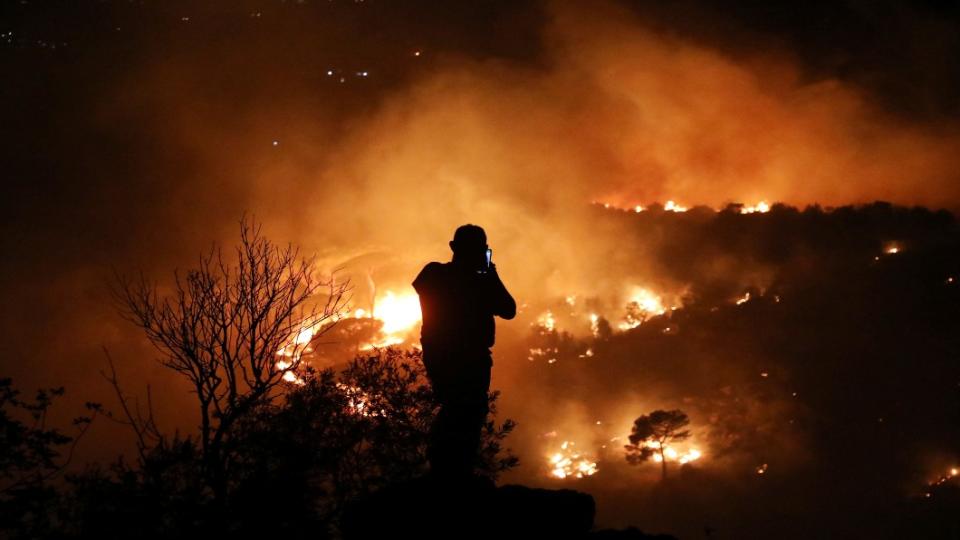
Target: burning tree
[224, 327]
[652, 432]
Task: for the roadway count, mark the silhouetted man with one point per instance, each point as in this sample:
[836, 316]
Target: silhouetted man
[459, 300]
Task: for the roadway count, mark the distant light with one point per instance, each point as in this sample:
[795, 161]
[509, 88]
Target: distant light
[764, 374]
[275, 143]
[329, 73]
[185, 19]
[416, 52]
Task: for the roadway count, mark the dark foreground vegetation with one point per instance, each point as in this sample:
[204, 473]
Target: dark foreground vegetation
[295, 464]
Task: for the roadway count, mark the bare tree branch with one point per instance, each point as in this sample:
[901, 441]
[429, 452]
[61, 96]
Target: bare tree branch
[235, 327]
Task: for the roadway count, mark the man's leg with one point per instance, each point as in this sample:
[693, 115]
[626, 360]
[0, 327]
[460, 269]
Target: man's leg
[456, 431]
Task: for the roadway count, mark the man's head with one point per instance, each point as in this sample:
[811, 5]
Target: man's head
[469, 245]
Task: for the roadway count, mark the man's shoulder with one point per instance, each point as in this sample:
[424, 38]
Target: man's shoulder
[429, 273]
[434, 267]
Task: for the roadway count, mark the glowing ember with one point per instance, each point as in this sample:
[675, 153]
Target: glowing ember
[568, 463]
[638, 209]
[762, 469]
[761, 207]
[550, 353]
[595, 324]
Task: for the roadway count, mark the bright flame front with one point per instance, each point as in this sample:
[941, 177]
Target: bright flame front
[569, 463]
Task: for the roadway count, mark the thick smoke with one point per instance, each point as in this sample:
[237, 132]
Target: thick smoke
[616, 113]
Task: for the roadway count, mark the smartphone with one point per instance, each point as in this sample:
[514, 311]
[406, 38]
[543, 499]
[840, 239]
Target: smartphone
[489, 257]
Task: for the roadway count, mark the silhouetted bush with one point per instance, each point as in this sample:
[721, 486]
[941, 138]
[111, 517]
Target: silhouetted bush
[332, 438]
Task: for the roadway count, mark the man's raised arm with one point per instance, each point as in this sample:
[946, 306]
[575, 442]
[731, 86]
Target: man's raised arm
[502, 304]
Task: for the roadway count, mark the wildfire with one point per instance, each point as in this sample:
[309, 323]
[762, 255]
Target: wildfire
[399, 314]
[547, 321]
[567, 463]
[743, 299]
[358, 401]
[672, 454]
[761, 207]
[892, 248]
[642, 305]
[671, 206]
[944, 478]
[289, 375]
[595, 324]
[299, 344]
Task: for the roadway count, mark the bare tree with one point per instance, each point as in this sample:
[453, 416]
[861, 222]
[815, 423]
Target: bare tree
[659, 428]
[235, 327]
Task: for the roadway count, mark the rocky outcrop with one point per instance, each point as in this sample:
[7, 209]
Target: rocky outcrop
[427, 509]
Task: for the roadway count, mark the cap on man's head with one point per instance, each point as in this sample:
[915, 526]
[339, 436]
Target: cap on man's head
[469, 235]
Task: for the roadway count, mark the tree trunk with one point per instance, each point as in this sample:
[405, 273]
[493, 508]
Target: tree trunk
[663, 463]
